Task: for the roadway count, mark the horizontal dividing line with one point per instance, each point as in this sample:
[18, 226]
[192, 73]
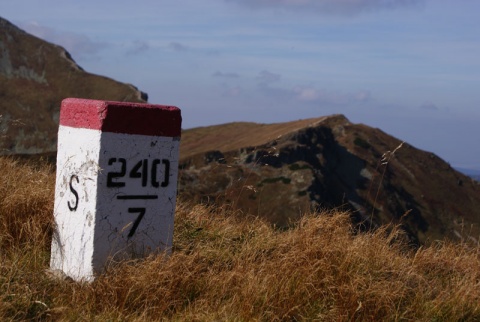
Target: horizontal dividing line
[135, 197]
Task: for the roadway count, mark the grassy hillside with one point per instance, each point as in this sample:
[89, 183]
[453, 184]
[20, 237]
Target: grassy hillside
[237, 135]
[35, 76]
[231, 267]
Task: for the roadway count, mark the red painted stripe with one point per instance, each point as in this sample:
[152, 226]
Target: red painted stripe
[121, 117]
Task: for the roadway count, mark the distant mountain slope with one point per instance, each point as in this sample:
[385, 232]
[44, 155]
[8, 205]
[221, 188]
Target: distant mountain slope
[237, 135]
[278, 171]
[34, 77]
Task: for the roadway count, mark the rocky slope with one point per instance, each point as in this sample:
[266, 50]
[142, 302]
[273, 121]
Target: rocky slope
[278, 171]
[34, 77]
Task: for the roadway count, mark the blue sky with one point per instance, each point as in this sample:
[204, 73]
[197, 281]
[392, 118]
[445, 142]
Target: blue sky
[408, 67]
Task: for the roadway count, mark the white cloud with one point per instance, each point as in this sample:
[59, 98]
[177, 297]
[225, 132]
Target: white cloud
[310, 95]
[307, 94]
[328, 6]
[176, 46]
[138, 47]
[429, 106]
[233, 91]
[265, 77]
[225, 75]
[77, 44]
[362, 96]
[319, 96]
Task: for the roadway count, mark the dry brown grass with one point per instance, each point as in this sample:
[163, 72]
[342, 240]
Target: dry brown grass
[26, 201]
[234, 268]
[232, 136]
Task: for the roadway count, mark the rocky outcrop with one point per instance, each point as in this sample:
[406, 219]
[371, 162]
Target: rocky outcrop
[34, 78]
[330, 162]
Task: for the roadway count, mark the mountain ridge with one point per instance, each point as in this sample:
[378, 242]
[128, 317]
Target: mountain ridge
[281, 170]
[35, 76]
[265, 132]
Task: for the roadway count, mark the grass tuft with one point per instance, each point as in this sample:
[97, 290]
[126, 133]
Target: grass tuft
[26, 202]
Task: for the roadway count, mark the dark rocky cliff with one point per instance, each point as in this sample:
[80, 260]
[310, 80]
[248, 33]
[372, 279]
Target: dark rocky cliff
[330, 162]
[34, 78]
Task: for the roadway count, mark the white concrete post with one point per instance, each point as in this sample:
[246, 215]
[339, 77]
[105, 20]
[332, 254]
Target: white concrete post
[116, 183]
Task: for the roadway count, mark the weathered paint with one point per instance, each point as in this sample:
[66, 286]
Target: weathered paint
[116, 183]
